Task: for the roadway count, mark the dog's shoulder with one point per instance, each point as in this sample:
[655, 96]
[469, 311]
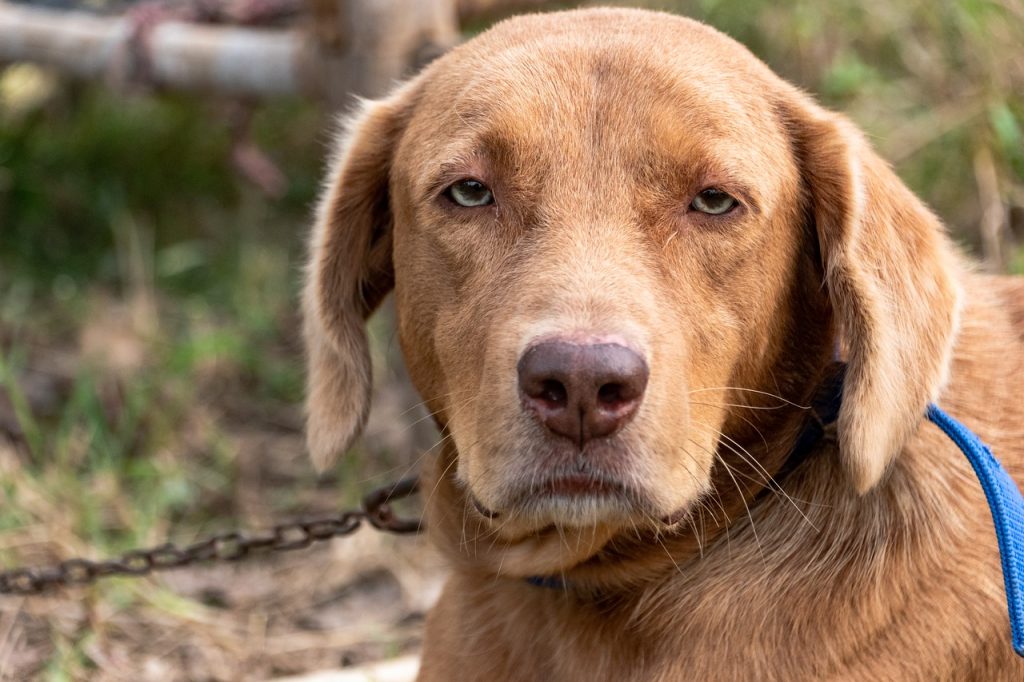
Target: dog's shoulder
[1010, 291]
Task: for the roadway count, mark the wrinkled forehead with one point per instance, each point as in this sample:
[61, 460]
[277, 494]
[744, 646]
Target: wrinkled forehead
[602, 110]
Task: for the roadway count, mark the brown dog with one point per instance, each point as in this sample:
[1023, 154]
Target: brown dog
[624, 254]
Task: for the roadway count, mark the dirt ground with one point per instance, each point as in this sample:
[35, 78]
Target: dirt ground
[341, 604]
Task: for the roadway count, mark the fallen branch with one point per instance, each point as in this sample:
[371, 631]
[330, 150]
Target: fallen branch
[230, 60]
[338, 46]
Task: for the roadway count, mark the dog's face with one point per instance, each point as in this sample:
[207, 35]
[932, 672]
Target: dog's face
[584, 240]
[609, 234]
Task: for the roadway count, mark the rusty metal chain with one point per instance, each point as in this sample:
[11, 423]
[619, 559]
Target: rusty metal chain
[232, 546]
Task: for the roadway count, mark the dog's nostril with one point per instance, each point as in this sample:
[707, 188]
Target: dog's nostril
[553, 391]
[611, 394]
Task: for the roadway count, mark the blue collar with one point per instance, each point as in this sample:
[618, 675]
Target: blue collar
[1004, 498]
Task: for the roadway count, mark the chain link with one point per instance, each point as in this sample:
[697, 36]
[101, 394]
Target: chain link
[232, 546]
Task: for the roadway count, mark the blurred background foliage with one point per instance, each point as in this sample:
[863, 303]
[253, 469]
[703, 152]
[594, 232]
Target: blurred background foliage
[939, 86]
[150, 370]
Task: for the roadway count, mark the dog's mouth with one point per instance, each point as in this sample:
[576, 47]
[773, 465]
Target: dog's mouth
[572, 498]
[612, 484]
[581, 484]
[568, 488]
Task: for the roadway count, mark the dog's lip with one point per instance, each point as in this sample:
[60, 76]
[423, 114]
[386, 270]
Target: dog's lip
[676, 516]
[482, 510]
[576, 485]
[581, 485]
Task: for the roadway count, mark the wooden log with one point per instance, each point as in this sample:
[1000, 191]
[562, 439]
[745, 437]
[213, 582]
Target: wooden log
[372, 43]
[343, 46]
[230, 60]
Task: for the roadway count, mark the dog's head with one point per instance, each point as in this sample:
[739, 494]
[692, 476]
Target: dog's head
[617, 243]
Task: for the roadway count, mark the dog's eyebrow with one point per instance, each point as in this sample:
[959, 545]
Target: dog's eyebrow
[737, 188]
[472, 164]
[477, 154]
[688, 176]
[724, 171]
[459, 164]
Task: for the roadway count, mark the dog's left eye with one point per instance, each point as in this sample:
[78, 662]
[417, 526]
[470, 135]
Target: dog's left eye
[470, 193]
[713, 202]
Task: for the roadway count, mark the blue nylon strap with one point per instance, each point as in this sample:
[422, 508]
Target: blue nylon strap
[550, 582]
[1004, 500]
[1007, 505]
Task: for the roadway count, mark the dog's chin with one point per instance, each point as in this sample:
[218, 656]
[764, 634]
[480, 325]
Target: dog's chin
[545, 535]
[554, 531]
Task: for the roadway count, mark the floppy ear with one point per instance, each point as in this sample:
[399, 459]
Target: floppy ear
[890, 275]
[349, 273]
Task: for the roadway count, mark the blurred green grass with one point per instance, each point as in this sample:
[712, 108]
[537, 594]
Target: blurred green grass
[150, 364]
[148, 292]
[123, 215]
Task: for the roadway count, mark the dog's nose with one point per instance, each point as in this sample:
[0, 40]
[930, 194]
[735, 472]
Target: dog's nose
[582, 391]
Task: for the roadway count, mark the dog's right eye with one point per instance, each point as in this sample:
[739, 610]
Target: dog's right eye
[713, 201]
[470, 193]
